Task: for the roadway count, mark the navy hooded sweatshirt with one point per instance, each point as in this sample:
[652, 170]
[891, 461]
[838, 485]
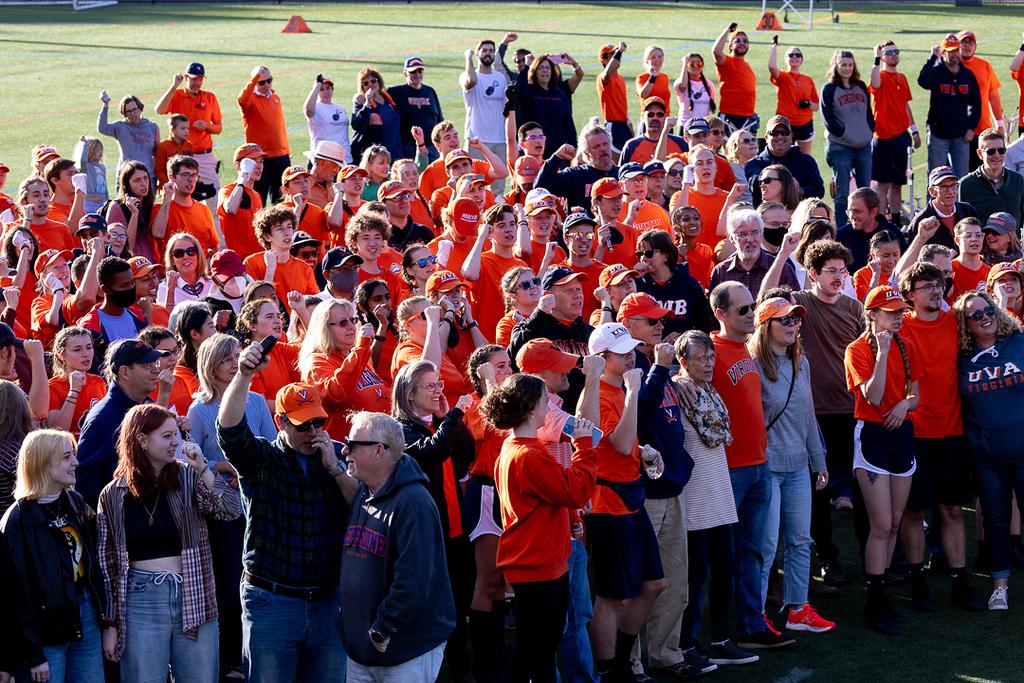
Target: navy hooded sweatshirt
[394, 577]
[660, 425]
[685, 297]
[991, 394]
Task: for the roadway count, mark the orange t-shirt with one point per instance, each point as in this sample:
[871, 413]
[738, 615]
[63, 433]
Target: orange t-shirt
[701, 260]
[348, 210]
[612, 97]
[23, 316]
[860, 364]
[650, 217]
[458, 254]
[195, 220]
[51, 235]
[625, 252]
[661, 88]
[443, 196]
[43, 331]
[489, 441]
[237, 228]
[263, 120]
[938, 413]
[644, 151]
[537, 256]
[737, 86]
[419, 209]
[456, 383]
[390, 273]
[489, 301]
[725, 177]
[612, 465]
[348, 383]
[435, 176]
[593, 271]
[793, 88]
[709, 206]
[988, 83]
[967, 280]
[503, 331]
[283, 369]
[292, 275]
[59, 212]
[739, 383]
[314, 221]
[862, 281]
[201, 107]
[186, 384]
[889, 105]
[90, 394]
[164, 151]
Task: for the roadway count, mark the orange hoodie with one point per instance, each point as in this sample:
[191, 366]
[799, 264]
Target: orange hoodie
[347, 383]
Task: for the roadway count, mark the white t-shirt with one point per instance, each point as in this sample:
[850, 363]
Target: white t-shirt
[484, 104]
[329, 122]
[701, 98]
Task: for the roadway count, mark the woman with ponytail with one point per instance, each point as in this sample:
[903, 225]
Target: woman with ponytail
[882, 372]
[695, 93]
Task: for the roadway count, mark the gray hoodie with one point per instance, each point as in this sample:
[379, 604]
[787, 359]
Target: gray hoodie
[847, 114]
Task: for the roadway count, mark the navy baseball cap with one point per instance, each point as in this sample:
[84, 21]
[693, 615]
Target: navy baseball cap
[697, 124]
[339, 256]
[195, 69]
[630, 170]
[1001, 223]
[301, 239]
[560, 275]
[413, 64]
[8, 338]
[577, 218]
[92, 221]
[131, 351]
[652, 167]
[940, 173]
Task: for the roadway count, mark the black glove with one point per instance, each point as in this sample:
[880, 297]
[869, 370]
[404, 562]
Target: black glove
[511, 96]
[732, 27]
[775, 40]
[804, 104]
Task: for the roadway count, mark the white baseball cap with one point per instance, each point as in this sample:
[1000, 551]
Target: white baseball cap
[612, 337]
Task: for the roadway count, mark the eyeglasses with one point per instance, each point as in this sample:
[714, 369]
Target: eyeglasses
[348, 444]
[987, 312]
[989, 151]
[580, 236]
[535, 138]
[424, 262]
[891, 52]
[716, 131]
[265, 81]
[745, 309]
[527, 285]
[790, 320]
[315, 423]
[834, 271]
[345, 322]
[748, 141]
[930, 287]
[741, 41]
[753, 235]
[308, 253]
[765, 180]
[433, 386]
[182, 253]
[780, 133]
[777, 224]
[645, 254]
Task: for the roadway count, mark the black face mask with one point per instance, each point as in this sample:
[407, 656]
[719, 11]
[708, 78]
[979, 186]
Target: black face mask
[343, 280]
[949, 287]
[124, 298]
[775, 236]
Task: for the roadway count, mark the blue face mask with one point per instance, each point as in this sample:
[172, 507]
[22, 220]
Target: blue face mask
[343, 279]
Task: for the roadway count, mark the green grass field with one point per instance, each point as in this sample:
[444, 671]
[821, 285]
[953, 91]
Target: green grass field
[55, 62]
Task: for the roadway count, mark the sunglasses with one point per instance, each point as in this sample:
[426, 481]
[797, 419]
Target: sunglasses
[748, 141]
[790, 320]
[578, 236]
[527, 285]
[315, 423]
[650, 321]
[345, 322]
[745, 309]
[995, 150]
[795, 55]
[400, 196]
[987, 312]
[779, 134]
[348, 444]
[265, 81]
[182, 253]
[645, 254]
[891, 53]
[424, 262]
[767, 179]
[675, 172]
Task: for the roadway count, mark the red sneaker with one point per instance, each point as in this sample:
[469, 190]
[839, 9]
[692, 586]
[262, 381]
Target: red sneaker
[770, 625]
[807, 619]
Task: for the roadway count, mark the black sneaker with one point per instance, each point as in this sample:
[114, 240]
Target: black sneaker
[764, 640]
[920, 595]
[725, 654]
[832, 574]
[881, 622]
[696, 660]
[683, 671]
[962, 595]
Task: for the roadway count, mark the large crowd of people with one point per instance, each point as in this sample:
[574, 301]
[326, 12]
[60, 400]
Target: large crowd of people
[353, 418]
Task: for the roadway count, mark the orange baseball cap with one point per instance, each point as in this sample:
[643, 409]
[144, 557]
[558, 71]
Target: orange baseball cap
[526, 169]
[615, 274]
[465, 216]
[886, 298]
[967, 35]
[299, 402]
[950, 43]
[349, 170]
[642, 305]
[392, 189]
[474, 178]
[607, 187]
[1001, 269]
[44, 153]
[454, 155]
[142, 266]
[539, 199]
[443, 281]
[250, 150]
[777, 307]
[541, 354]
[607, 50]
[48, 257]
[653, 99]
[293, 172]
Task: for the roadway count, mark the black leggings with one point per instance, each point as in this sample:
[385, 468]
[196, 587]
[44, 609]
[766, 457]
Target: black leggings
[541, 608]
[709, 551]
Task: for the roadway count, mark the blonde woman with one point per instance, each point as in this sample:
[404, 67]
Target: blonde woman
[187, 275]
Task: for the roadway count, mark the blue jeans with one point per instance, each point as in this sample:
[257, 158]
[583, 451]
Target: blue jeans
[843, 160]
[943, 152]
[287, 639]
[996, 486]
[751, 487]
[421, 669]
[153, 637]
[82, 660]
[791, 504]
[574, 654]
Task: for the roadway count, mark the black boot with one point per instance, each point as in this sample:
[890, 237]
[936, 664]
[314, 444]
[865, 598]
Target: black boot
[876, 610]
[487, 639]
[920, 595]
[960, 592]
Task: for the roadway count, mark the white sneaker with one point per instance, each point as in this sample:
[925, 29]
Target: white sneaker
[999, 600]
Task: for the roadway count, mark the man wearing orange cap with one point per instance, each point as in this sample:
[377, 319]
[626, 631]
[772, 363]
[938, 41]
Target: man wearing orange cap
[611, 94]
[147, 281]
[458, 163]
[641, 149]
[484, 269]
[239, 202]
[296, 182]
[179, 212]
[616, 240]
[404, 230]
[988, 90]
[263, 122]
[290, 578]
[615, 283]
[524, 175]
[541, 250]
[954, 107]
[737, 82]
[460, 220]
[348, 197]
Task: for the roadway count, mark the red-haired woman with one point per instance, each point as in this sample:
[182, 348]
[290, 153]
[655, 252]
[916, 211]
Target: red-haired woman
[155, 551]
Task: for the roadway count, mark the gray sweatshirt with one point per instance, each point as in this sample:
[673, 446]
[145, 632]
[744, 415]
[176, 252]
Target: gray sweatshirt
[793, 440]
[137, 142]
[847, 114]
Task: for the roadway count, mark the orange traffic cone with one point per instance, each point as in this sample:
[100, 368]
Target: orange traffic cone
[296, 25]
[769, 22]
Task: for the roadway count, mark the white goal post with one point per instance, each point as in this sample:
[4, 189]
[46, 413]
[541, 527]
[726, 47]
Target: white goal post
[788, 6]
[76, 5]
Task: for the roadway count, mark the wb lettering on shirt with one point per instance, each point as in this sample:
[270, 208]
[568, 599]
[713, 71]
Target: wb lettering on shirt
[359, 541]
[677, 306]
[740, 369]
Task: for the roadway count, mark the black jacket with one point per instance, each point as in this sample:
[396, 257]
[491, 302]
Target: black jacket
[954, 106]
[450, 439]
[46, 601]
[571, 339]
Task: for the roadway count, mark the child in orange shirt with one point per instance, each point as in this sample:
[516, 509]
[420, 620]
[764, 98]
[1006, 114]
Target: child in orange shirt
[275, 229]
[176, 143]
[884, 251]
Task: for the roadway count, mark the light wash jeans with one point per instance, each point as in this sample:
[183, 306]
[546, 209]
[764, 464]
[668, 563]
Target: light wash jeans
[843, 160]
[153, 636]
[422, 669]
[287, 639]
[791, 505]
[751, 487]
[942, 152]
[575, 658]
[82, 660]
